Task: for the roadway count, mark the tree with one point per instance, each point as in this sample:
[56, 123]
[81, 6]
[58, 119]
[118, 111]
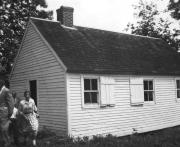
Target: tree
[14, 15]
[150, 22]
[174, 7]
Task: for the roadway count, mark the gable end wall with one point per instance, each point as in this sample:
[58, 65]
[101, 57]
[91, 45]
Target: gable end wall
[36, 62]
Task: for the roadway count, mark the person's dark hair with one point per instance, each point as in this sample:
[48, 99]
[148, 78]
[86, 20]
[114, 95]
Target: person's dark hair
[6, 83]
[25, 93]
[2, 82]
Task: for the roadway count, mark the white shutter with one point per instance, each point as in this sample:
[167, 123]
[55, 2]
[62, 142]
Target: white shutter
[136, 81]
[137, 91]
[111, 101]
[107, 91]
[103, 99]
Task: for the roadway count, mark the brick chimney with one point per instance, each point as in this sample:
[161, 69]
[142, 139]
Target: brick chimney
[65, 15]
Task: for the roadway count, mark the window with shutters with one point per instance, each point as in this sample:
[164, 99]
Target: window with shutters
[178, 89]
[91, 91]
[148, 90]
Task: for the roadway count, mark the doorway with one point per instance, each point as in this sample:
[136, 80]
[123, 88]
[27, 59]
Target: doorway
[33, 90]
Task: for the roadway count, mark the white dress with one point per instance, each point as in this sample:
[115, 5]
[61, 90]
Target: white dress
[29, 108]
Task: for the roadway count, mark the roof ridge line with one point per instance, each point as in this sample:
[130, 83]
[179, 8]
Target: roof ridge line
[44, 19]
[142, 36]
[117, 32]
[74, 27]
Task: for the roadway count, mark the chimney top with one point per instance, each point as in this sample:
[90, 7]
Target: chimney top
[66, 8]
[65, 15]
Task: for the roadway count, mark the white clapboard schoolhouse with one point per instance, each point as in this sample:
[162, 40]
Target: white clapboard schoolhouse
[87, 81]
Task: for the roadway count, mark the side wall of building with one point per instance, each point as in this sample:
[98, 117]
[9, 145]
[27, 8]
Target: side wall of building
[123, 118]
[37, 62]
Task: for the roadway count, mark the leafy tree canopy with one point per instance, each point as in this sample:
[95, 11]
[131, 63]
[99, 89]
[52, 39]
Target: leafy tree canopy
[14, 15]
[174, 7]
[154, 22]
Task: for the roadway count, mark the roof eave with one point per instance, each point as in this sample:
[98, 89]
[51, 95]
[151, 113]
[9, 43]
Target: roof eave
[103, 72]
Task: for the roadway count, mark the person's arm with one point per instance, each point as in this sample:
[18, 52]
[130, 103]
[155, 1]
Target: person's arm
[34, 107]
[9, 102]
[20, 108]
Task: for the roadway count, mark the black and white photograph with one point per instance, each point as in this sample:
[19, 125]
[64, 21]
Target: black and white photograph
[89, 73]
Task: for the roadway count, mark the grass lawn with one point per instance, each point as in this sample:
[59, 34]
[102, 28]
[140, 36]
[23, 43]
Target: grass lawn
[169, 137]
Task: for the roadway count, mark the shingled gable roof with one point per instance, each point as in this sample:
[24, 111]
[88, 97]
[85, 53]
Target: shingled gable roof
[87, 50]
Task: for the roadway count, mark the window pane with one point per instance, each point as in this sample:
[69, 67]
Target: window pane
[178, 84]
[94, 96]
[145, 85]
[150, 85]
[178, 93]
[86, 84]
[94, 84]
[87, 97]
[145, 96]
[150, 93]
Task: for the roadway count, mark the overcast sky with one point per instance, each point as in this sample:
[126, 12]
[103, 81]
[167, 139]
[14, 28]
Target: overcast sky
[111, 15]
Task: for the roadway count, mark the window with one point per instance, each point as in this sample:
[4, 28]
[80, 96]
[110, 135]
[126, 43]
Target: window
[91, 93]
[148, 90]
[178, 88]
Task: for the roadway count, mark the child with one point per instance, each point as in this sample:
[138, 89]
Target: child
[15, 110]
[14, 115]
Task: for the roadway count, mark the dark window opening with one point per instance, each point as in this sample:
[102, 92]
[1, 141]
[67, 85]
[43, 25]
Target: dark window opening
[33, 90]
[148, 90]
[178, 88]
[90, 91]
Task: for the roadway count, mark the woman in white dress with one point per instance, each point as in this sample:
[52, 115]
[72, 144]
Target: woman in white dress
[28, 112]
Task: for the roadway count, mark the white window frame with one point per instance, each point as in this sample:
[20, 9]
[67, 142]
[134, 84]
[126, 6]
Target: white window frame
[153, 101]
[93, 105]
[176, 89]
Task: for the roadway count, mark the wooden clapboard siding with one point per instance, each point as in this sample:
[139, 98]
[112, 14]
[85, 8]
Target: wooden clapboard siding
[121, 119]
[37, 62]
